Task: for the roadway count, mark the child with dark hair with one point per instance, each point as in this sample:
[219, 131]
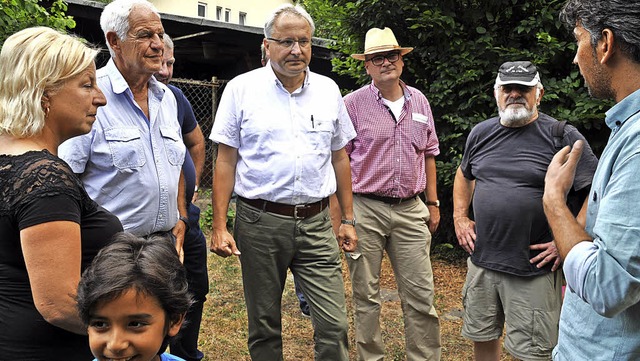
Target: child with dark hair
[133, 298]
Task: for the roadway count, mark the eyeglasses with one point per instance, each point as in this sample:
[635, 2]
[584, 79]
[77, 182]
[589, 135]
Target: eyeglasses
[379, 59]
[288, 43]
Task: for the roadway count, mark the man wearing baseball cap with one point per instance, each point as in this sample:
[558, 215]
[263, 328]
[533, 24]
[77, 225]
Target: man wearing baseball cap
[392, 164]
[513, 274]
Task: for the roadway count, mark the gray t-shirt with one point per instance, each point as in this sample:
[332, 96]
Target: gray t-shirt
[509, 166]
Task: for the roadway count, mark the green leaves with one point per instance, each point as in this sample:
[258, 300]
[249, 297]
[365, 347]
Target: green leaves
[459, 46]
[16, 15]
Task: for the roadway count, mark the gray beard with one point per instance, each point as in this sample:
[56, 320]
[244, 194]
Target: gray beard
[515, 118]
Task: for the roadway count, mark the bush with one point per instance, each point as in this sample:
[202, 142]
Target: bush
[459, 46]
[16, 15]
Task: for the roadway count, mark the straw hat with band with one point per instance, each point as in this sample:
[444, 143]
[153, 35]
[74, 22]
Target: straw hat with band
[380, 41]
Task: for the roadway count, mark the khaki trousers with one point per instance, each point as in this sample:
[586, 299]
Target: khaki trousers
[400, 230]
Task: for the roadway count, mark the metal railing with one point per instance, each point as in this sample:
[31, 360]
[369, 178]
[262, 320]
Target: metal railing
[204, 97]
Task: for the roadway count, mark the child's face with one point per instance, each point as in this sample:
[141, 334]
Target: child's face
[131, 327]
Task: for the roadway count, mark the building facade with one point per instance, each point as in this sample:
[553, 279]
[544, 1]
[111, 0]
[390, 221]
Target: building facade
[241, 12]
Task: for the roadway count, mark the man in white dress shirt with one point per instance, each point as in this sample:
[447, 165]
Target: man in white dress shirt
[281, 131]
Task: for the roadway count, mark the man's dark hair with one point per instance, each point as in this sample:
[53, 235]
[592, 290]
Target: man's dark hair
[620, 16]
[150, 266]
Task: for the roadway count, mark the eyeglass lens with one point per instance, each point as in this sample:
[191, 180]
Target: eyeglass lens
[379, 59]
[289, 43]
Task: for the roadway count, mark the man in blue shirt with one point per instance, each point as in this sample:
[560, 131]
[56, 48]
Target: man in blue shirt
[131, 161]
[600, 317]
[195, 244]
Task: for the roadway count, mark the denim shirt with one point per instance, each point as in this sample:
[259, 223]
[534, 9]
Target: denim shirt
[129, 164]
[600, 317]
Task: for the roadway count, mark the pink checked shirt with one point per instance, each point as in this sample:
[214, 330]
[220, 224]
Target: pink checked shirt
[388, 157]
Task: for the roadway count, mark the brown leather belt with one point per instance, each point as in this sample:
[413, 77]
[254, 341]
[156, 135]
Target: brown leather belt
[299, 211]
[388, 200]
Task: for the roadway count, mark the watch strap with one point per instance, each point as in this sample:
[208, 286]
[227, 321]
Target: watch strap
[351, 222]
[186, 223]
[435, 203]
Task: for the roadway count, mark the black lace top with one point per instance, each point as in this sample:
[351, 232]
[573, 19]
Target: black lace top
[35, 175]
[35, 188]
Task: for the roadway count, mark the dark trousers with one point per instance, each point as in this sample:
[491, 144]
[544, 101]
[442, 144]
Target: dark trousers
[185, 344]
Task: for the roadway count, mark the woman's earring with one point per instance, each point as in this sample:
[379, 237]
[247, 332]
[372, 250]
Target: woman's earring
[45, 104]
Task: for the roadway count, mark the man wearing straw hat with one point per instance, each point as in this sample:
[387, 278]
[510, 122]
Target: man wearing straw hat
[392, 163]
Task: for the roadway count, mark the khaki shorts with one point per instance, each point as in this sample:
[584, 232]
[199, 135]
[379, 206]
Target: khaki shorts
[528, 306]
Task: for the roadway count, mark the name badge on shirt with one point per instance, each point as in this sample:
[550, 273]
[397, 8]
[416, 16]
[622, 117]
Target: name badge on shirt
[420, 118]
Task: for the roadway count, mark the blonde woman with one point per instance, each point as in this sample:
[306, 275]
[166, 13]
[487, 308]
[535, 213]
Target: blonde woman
[50, 229]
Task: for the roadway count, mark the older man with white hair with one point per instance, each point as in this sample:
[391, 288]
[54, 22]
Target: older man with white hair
[281, 131]
[513, 274]
[131, 161]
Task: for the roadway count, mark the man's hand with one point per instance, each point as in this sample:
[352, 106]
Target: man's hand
[179, 231]
[347, 238]
[223, 244]
[466, 233]
[548, 253]
[434, 218]
[560, 173]
[567, 231]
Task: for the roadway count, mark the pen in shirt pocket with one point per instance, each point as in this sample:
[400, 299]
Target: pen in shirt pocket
[312, 123]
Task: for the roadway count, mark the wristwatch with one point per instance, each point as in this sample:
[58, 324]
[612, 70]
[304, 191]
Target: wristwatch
[351, 222]
[186, 223]
[435, 203]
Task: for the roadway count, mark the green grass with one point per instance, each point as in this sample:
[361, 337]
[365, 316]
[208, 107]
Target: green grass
[223, 334]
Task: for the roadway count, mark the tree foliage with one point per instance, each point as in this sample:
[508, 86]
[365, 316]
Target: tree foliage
[459, 46]
[16, 15]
